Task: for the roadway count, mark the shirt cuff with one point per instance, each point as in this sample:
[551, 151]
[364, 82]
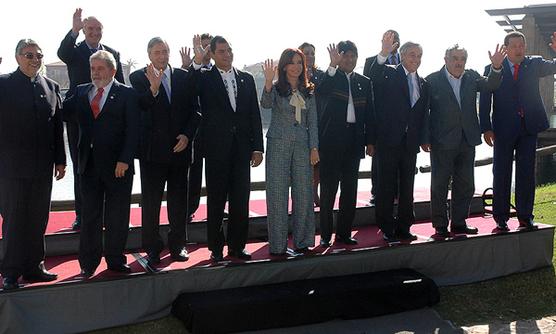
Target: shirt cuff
[496, 70]
[74, 35]
[331, 71]
[380, 59]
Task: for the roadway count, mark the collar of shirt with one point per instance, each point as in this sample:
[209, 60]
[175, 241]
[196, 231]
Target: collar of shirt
[450, 76]
[91, 48]
[407, 72]
[226, 74]
[106, 88]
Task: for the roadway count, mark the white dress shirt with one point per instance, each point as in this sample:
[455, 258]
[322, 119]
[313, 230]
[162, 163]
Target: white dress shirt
[455, 83]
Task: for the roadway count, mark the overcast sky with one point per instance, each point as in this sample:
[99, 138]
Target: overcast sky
[262, 29]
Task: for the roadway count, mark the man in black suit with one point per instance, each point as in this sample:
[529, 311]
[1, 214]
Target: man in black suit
[392, 59]
[452, 134]
[232, 140]
[196, 168]
[401, 101]
[168, 123]
[76, 58]
[108, 116]
[344, 126]
[32, 149]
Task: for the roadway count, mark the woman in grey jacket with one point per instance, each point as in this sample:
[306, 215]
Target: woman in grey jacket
[292, 150]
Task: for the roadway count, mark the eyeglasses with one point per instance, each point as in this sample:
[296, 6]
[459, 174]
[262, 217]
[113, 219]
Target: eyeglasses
[31, 55]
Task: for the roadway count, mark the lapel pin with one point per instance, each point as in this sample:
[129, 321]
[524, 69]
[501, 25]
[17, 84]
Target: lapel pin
[111, 97]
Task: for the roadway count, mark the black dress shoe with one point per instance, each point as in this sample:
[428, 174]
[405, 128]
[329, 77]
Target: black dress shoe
[527, 225]
[87, 273]
[153, 258]
[302, 250]
[441, 232]
[325, 243]
[465, 229]
[242, 254]
[10, 283]
[120, 268]
[389, 238]
[40, 275]
[180, 256]
[501, 226]
[404, 235]
[346, 241]
[216, 256]
[76, 225]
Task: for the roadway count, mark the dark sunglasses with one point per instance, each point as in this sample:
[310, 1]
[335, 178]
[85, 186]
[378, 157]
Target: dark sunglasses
[31, 55]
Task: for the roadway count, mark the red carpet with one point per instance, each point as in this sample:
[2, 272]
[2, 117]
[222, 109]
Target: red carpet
[60, 221]
[369, 237]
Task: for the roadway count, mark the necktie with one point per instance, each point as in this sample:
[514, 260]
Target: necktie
[93, 50]
[166, 84]
[95, 102]
[516, 71]
[413, 90]
[393, 60]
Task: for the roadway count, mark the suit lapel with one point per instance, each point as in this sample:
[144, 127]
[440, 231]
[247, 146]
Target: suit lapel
[445, 84]
[218, 84]
[112, 96]
[402, 81]
[84, 101]
[241, 88]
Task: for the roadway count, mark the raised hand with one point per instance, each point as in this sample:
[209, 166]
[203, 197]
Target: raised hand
[335, 56]
[77, 21]
[155, 78]
[388, 44]
[185, 54]
[198, 50]
[552, 43]
[497, 58]
[269, 71]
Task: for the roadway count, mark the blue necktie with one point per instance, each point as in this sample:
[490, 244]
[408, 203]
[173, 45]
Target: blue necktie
[166, 85]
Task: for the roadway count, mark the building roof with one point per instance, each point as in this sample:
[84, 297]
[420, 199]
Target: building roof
[512, 18]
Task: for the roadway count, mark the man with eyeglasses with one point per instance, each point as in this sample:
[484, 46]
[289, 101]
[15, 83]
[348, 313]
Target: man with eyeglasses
[76, 57]
[32, 151]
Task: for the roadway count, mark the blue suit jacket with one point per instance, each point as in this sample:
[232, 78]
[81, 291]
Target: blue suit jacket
[512, 95]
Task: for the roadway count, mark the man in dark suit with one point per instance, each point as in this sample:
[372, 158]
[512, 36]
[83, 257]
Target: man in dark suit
[518, 115]
[32, 150]
[196, 168]
[76, 58]
[392, 59]
[401, 102]
[232, 139]
[108, 116]
[168, 124]
[452, 133]
[343, 135]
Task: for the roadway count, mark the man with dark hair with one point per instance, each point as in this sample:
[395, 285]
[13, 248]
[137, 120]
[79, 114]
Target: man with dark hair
[232, 139]
[32, 150]
[518, 115]
[401, 101]
[107, 113]
[344, 126]
[392, 59]
[76, 57]
[169, 122]
[452, 134]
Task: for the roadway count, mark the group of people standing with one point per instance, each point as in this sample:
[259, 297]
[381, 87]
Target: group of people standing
[323, 124]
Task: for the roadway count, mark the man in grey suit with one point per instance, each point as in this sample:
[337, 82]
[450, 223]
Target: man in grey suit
[453, 132]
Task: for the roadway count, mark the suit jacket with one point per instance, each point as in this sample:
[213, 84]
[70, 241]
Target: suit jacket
[283, 124]
[162, 121]
[448, 122]
[220, 123]
[395, 118]
[369, 62]
[76, 58]
[334, 91]
[31, 130]
[112, 137]
[513, 95]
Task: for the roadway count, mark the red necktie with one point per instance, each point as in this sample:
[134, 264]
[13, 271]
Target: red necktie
[516, 71]
[95, 103]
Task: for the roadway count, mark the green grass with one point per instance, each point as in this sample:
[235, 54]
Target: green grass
[529, 295]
